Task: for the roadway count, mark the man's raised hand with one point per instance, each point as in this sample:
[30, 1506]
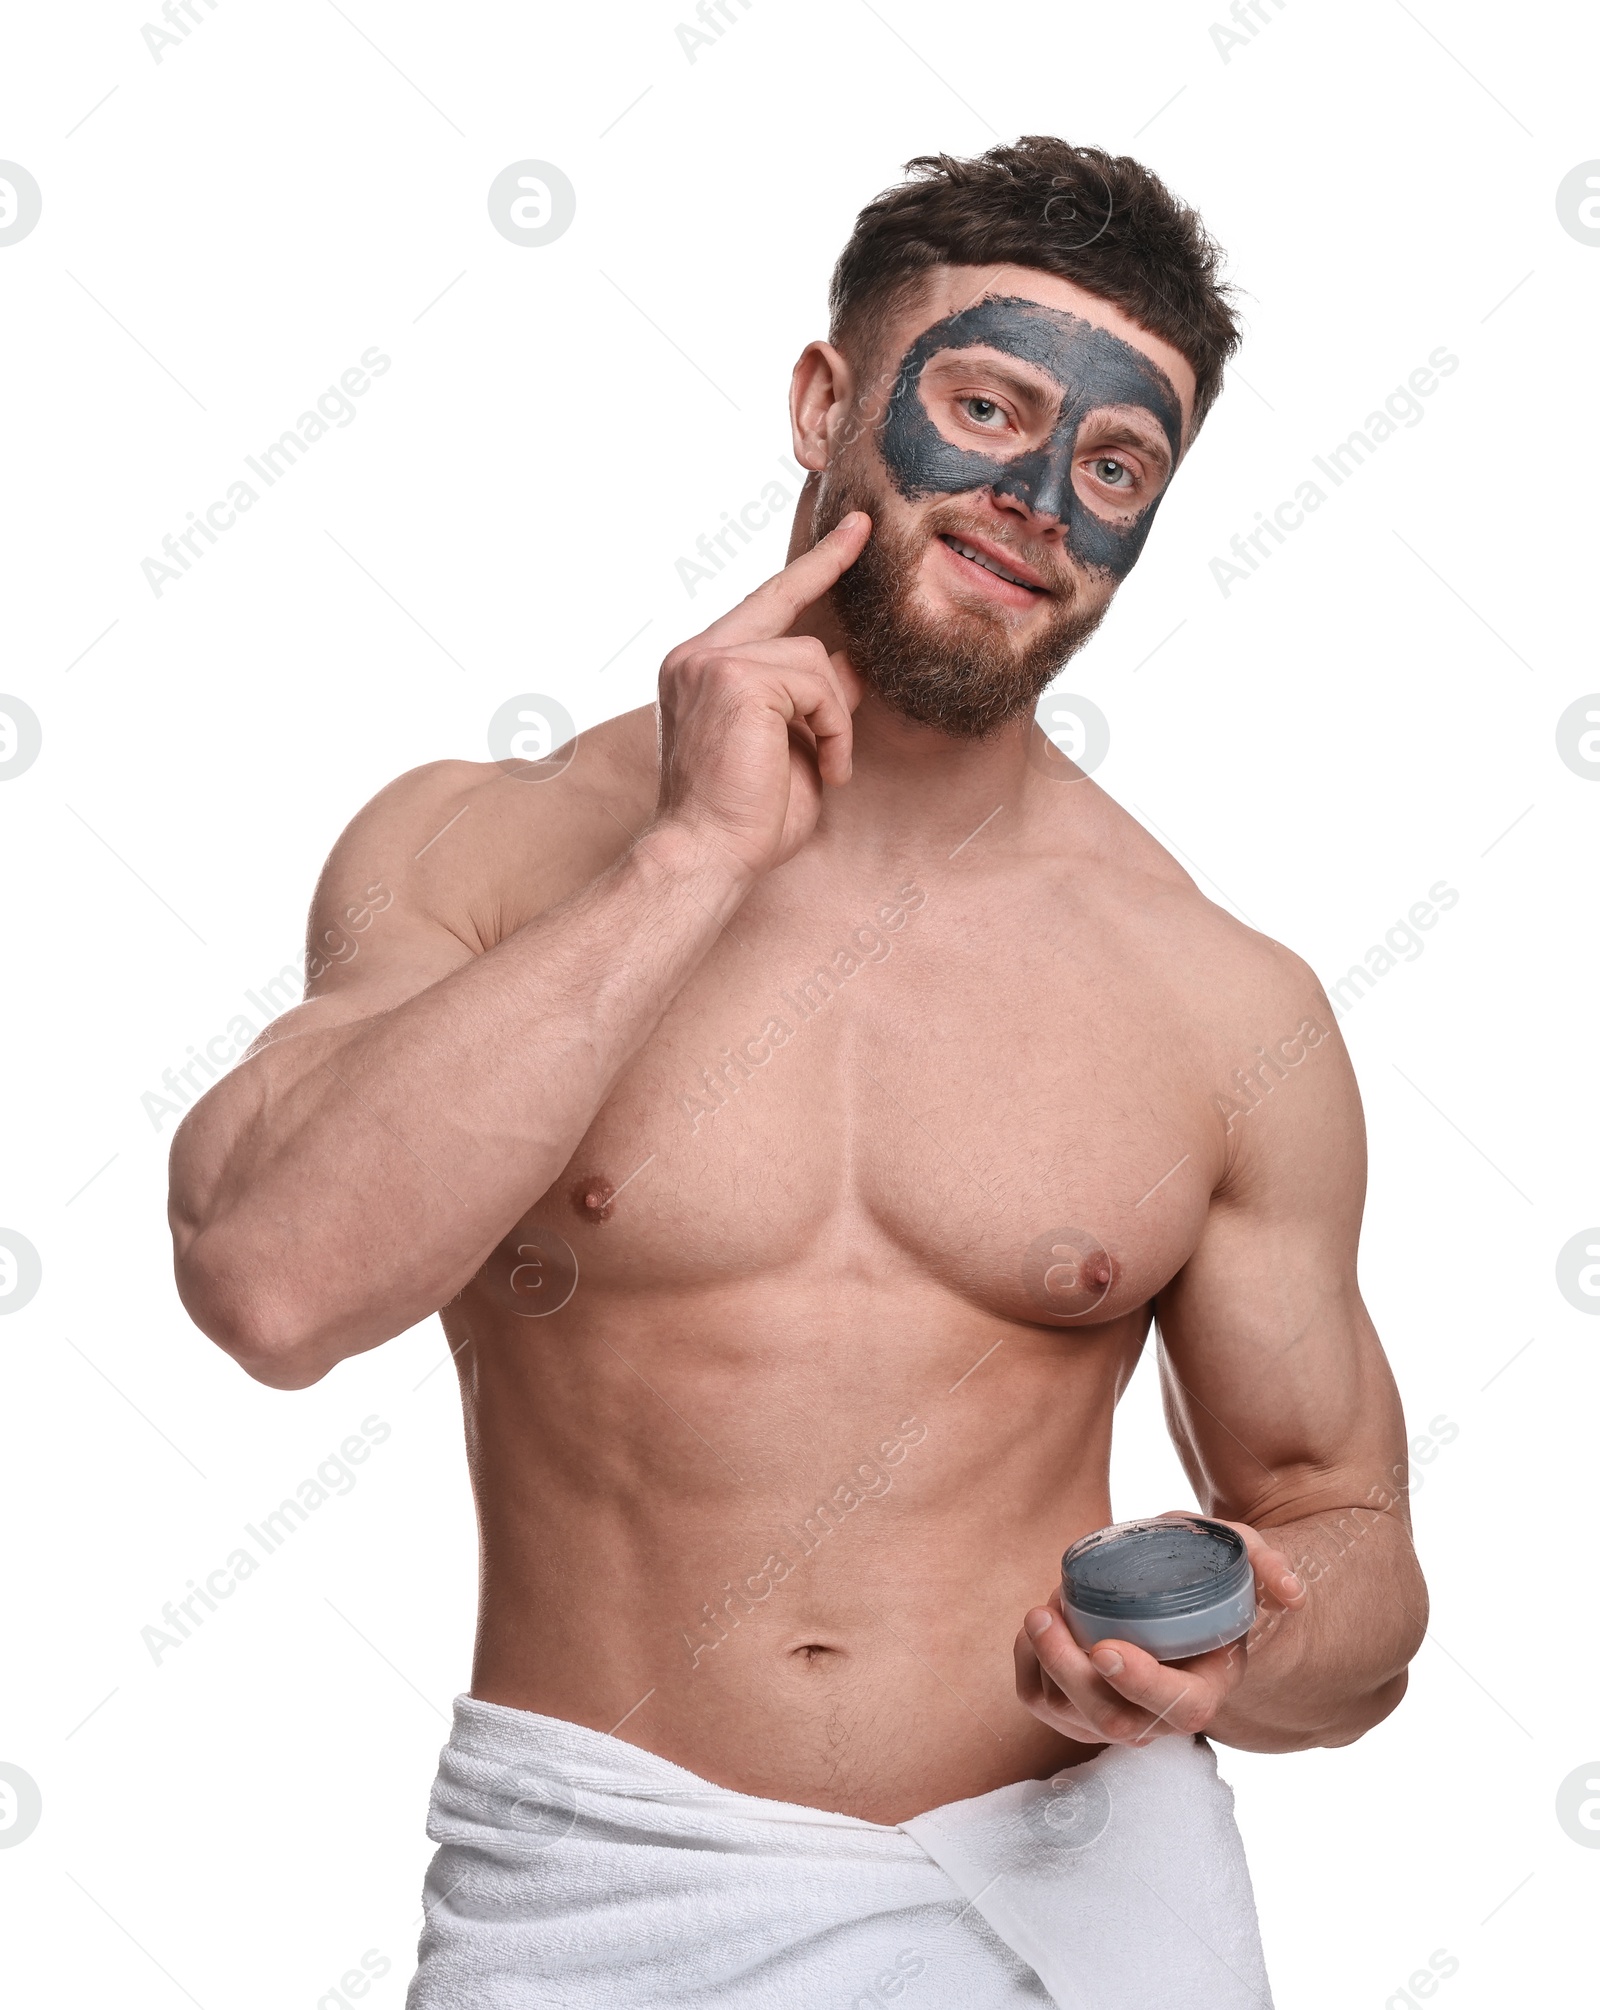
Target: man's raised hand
[754, 721]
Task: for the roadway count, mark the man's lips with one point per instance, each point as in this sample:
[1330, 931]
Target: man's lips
[995, 561]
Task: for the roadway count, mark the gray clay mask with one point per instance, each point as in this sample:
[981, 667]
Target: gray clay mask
[1093, 367]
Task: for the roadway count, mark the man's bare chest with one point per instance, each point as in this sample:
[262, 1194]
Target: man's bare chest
[903, 1086]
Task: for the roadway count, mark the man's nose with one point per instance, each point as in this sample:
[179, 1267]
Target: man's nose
[1041, 481]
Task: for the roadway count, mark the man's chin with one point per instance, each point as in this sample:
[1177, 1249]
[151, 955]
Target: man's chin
[963, 675]
[967, 671]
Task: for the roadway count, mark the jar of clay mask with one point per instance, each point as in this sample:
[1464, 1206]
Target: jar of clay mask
[1174, 1587]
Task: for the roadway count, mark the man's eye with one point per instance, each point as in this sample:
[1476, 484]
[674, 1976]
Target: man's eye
[1113, 473]
[982, 410]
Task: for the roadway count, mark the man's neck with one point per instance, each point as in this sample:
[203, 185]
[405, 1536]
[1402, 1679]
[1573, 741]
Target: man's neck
[921, 790]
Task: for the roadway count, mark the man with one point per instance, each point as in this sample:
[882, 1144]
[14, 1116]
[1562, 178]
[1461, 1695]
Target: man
[798, 1106]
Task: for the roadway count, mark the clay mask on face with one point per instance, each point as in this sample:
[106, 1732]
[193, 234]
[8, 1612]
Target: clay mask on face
[1093, 367]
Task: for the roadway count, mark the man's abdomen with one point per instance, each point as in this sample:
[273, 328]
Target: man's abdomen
[784, 1537]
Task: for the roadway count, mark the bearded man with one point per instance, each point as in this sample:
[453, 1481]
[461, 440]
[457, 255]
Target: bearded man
[799, 1101]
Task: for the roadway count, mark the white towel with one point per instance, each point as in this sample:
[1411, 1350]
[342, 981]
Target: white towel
[578, 1872]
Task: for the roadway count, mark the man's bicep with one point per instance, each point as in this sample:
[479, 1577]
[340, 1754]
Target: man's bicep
[1278, 1394]
[378, 934]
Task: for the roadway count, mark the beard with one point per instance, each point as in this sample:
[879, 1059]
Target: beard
[961, 671]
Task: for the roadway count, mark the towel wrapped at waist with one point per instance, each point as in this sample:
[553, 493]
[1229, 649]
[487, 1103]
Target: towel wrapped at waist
[577, 1870]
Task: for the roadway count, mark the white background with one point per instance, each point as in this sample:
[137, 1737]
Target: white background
[1373, 711]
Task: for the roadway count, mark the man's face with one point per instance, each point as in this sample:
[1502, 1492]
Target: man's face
[1020, 433]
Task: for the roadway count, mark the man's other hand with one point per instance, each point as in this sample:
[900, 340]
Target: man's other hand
[1116, 1693]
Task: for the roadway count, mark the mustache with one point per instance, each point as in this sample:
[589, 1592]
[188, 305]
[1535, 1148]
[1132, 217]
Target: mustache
[1047, 561]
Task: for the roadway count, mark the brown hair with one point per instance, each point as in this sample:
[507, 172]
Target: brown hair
[1101, 220]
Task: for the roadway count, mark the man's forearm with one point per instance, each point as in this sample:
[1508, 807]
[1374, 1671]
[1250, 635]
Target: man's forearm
[1328, 1671]
[343, 1184]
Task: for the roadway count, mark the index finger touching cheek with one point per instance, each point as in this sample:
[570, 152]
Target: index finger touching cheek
[773, 608]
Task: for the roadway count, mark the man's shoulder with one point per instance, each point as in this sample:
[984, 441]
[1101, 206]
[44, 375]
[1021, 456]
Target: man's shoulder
[497, 840]
[1229, 973]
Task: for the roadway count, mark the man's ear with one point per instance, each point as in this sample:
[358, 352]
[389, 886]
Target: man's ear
[821, 393]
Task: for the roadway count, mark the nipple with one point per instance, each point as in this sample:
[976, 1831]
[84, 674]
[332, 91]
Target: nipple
[591, 1197]
[1068, 1272]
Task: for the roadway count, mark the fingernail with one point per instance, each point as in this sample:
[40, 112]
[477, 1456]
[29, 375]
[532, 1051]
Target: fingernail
[1037, 1624]
[1107, 1660]
[1292, 1585]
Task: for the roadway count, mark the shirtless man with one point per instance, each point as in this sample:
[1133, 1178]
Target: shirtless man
[798, 1101]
